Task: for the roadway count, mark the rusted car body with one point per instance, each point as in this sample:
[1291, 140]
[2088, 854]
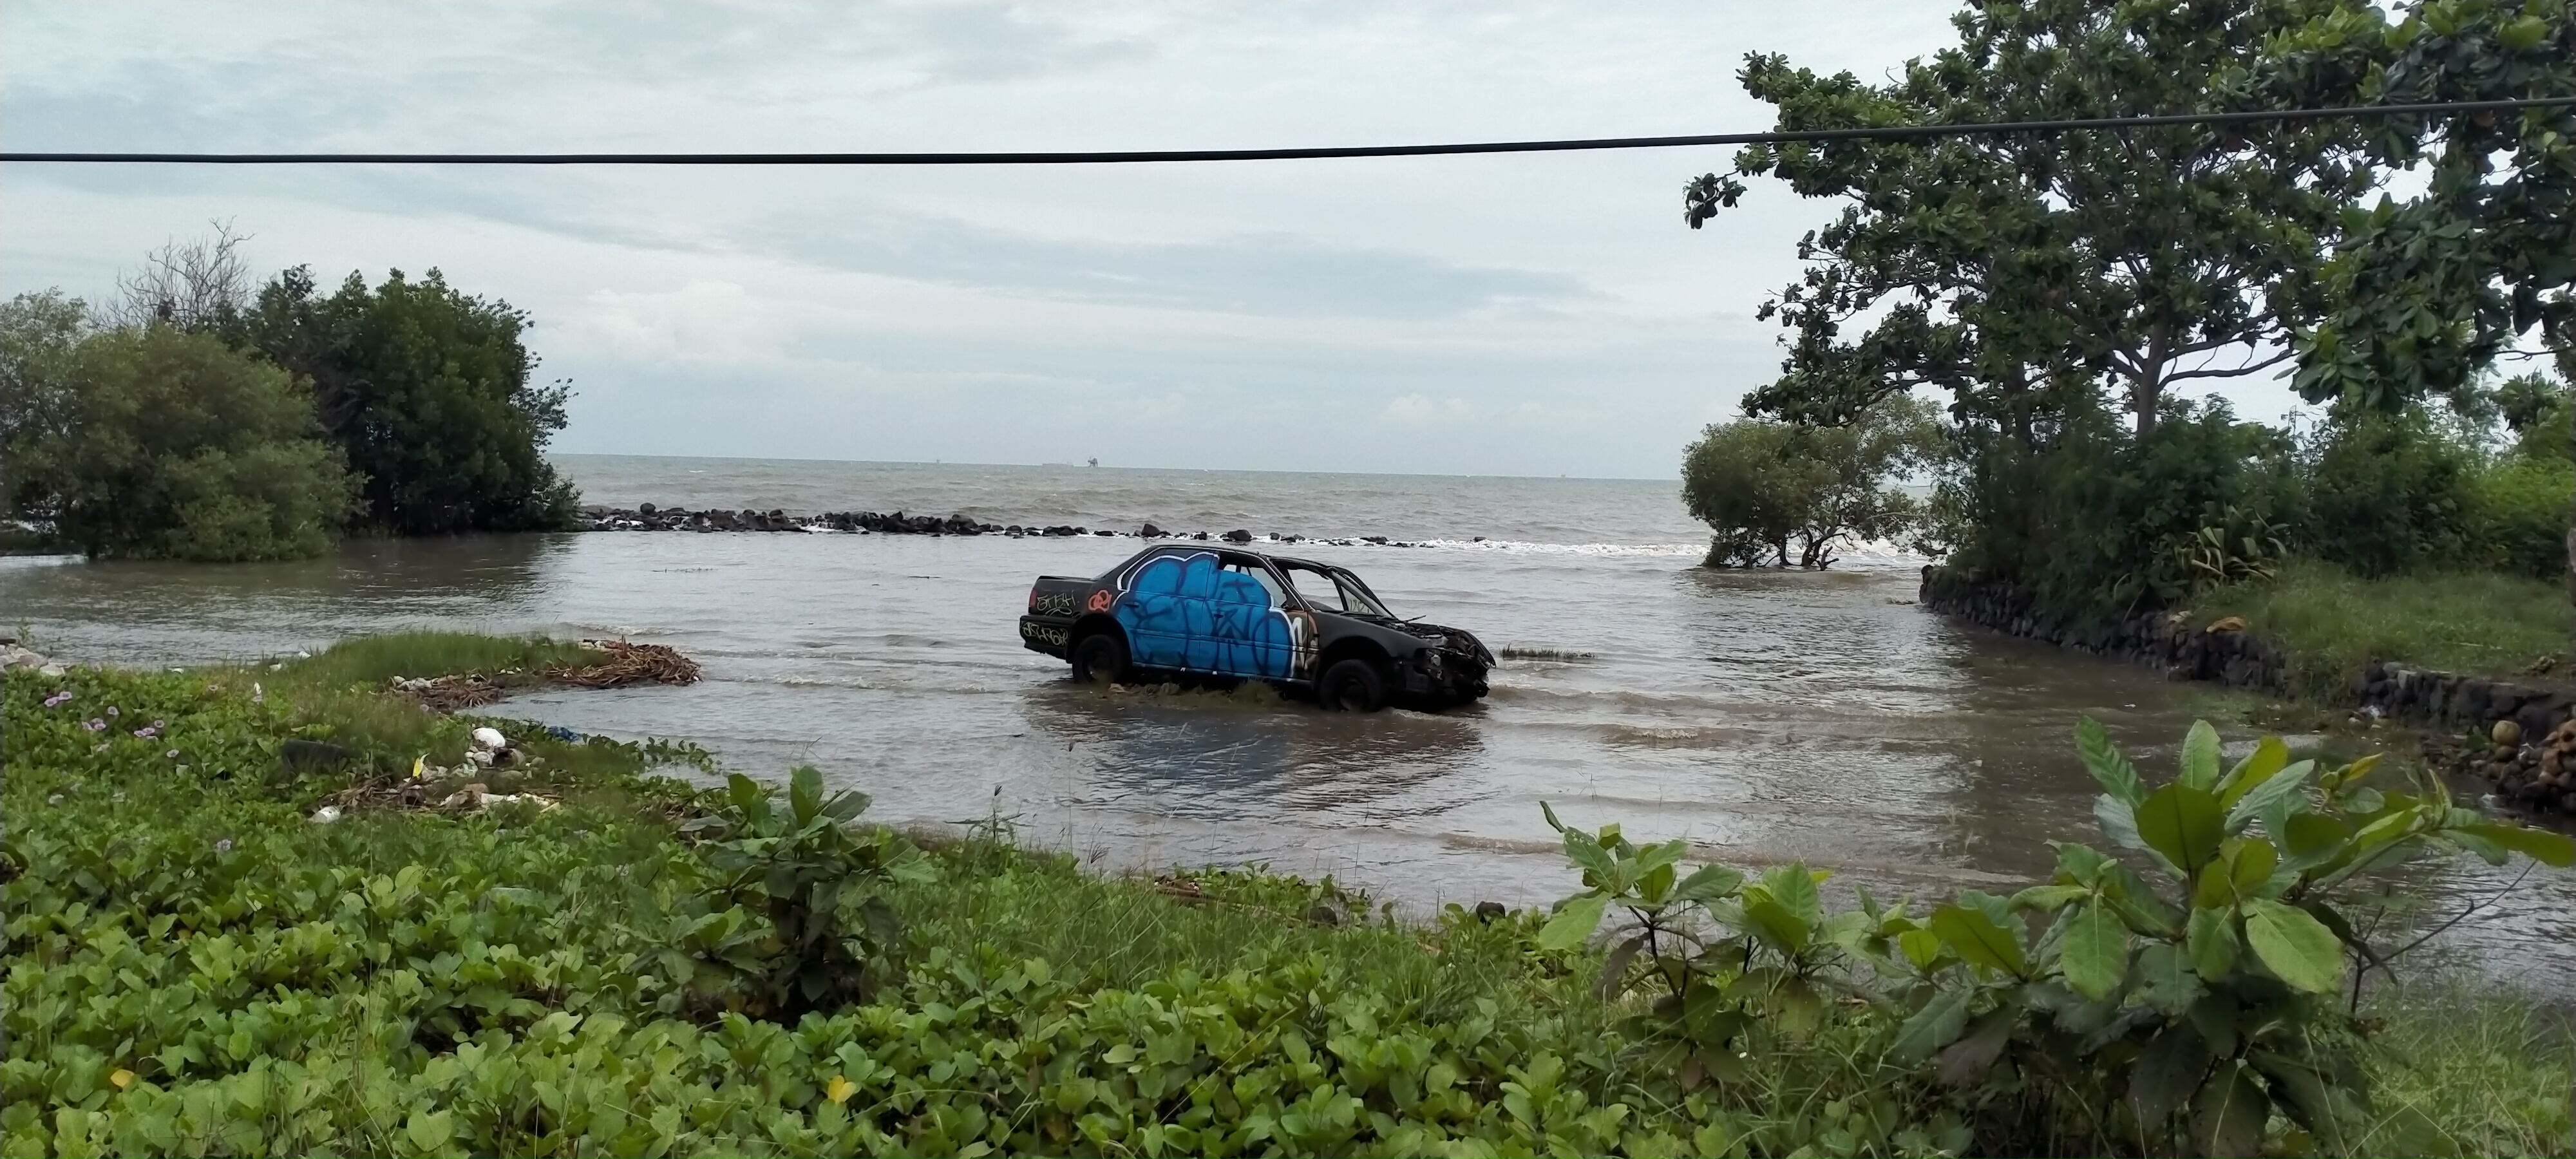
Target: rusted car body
[1222, 614]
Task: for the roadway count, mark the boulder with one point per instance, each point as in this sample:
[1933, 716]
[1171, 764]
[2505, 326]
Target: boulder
[1238, 535]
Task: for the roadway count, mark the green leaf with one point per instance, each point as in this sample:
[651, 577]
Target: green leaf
[2270, 756]
[2294, 946]
[1933, 1027]
[805, 793]
[2313, 836]
[1920, 947]
[1794, 887]
[1574, 923]
[2094, 952]
[2269, 800]
[2119, 821]
[1776, 924]
[2102, 759]
[2049, 899]
[2524, 34]
[1709, 883]
[1600, 870]
[2166, 1073]
[430, 1132]
[2200, 757]
[2182, 823]
[2227, 1116]
[1977, 939]
[2210, 939]
[1654, 857]
[846, 806]
[745, 792]
[2556, 850]
[2166, 982]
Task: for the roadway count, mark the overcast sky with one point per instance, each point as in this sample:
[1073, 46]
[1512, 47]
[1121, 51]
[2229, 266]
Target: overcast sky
[1529, 315]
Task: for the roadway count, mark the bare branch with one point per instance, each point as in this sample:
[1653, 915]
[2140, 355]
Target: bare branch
[185, 284]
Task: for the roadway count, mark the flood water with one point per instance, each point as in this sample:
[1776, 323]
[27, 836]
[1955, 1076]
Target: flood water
[1765, 716]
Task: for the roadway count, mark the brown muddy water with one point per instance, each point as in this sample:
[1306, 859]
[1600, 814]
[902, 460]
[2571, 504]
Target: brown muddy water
[1765, 716]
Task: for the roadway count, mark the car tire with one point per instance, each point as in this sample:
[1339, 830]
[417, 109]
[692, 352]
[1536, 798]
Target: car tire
[1352, 685]
[1100, 658]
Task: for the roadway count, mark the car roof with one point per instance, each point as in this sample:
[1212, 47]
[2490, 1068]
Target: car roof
[1239, 549]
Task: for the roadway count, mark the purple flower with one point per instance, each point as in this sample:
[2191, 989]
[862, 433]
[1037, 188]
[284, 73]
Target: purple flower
[57, 699]
[173, 754]
[111, 710]
[147, 732]
[224, 846]
[94, 724]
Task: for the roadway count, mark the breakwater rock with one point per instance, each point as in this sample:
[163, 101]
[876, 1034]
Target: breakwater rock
[2221, 653]
[652, 517]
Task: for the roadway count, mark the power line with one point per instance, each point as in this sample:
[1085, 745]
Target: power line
[1157, 156]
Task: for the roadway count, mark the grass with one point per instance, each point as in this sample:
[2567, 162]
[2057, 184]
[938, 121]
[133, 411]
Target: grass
[2332, 623]
[2470, 1070]
[372, 660]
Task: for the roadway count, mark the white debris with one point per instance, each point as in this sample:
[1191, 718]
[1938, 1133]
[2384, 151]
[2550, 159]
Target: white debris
[490, 738]
[326, 814]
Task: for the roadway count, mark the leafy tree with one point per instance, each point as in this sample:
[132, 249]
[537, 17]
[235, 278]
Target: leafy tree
[1766, 485]
[427, 390]
[152, 441]
[2428, 292]
[2018, 269]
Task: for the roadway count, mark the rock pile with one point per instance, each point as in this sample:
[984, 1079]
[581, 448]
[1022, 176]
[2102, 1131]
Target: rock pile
[2540, 777]
[13, 656]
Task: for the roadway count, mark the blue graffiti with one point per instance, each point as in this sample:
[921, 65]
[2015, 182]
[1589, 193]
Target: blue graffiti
[1192, 615]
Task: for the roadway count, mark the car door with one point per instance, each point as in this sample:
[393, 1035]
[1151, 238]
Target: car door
[1162, 605]
[1249, 618]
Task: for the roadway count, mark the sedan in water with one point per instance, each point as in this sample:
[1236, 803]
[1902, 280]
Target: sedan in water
[1188, 610]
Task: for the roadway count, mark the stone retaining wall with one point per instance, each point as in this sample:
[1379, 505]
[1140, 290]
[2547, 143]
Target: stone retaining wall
[2227, 655]
[2162, 640]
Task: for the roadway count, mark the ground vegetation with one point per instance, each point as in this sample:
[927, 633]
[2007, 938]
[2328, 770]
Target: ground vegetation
[211, 950]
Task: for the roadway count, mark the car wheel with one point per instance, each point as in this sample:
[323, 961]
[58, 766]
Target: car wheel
[1100, 658]
[1352, 685]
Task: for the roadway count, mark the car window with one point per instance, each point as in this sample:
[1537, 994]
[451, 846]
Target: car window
[1317, 588]
[1360, 600]
[1277, 596]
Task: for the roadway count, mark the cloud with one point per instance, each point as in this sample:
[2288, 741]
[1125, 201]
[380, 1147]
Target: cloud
[1415, 409]
[1548, 310]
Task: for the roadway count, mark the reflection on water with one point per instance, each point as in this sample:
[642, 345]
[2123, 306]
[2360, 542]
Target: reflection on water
[1763, 716]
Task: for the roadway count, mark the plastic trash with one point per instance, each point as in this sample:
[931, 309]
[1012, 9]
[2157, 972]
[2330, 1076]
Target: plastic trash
[491, 738]
[326, 814]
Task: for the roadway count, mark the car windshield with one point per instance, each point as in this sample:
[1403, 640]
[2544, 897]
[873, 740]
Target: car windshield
[1335, 590]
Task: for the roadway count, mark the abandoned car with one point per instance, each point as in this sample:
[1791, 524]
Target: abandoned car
[1187, 610]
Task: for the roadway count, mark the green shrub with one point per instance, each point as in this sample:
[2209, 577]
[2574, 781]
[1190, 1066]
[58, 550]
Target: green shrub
[2103, 522]
[2391, 493]
[155, 442]
[2171, 1011]
[2526, 504]
[428, 392]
